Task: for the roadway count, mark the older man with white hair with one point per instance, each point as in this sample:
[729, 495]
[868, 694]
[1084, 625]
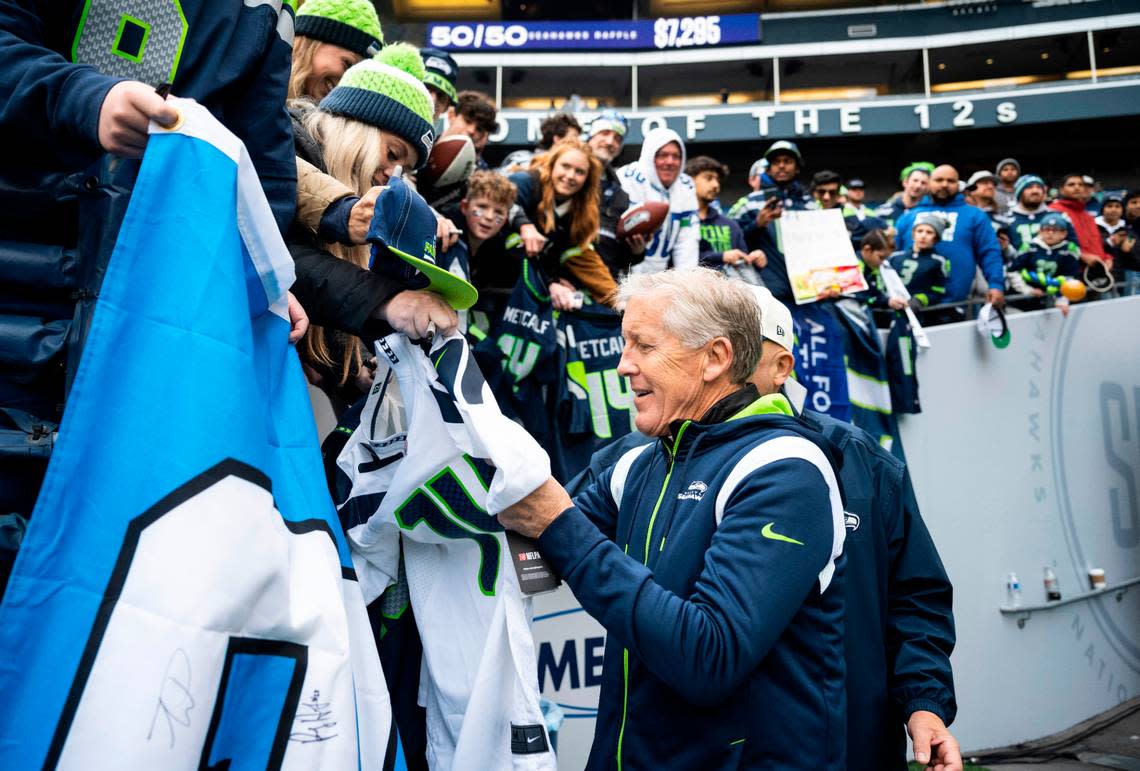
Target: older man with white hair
[711, 556]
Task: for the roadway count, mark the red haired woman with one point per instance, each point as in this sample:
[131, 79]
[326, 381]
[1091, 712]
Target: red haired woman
[556, 215]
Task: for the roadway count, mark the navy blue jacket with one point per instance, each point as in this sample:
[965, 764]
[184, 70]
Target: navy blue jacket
[712, 560]
[968, 242]
[232, 59]
[899, 625]
[899, 603]
[57, 186]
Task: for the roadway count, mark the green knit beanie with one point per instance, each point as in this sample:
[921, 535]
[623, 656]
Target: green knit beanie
[351, 24]
[388, 92]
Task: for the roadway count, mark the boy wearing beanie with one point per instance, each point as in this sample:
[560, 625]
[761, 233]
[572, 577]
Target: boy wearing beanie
[1047, 260]
[1007, 172]
[922, 270]
[331, 36]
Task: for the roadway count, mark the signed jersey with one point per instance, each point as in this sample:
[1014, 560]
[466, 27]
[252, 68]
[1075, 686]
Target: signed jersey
[435, 489]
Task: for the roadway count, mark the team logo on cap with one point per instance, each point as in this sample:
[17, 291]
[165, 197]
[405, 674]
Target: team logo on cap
[436, 63]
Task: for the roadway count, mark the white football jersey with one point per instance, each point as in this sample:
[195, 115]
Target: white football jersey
[436, 487]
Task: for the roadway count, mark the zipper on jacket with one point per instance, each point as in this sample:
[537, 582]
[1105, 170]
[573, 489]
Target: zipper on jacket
[648, 538]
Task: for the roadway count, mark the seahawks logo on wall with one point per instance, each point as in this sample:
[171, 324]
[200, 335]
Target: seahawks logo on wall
[199, 654]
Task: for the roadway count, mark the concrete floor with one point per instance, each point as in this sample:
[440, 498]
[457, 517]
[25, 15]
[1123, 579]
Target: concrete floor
[1116, 746]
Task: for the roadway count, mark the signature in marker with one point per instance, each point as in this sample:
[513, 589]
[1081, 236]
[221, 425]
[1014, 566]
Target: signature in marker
[174, 698]
[314, 721]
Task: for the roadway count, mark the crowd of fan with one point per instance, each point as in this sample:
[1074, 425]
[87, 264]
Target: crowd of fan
[360, 113]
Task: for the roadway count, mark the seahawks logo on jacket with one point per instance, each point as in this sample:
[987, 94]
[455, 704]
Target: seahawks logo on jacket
[695, 492]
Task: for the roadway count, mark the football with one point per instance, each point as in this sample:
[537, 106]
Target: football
[451, 161]
[643, 219]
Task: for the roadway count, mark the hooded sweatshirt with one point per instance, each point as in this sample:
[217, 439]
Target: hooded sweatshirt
[1088, 235]
[675, 244]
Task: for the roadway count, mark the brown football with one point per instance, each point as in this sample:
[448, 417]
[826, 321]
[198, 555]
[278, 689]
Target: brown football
[643, 219]
[451, 161]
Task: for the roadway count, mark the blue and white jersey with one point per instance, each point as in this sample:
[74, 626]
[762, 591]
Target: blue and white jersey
[184, 596]
[431, 491]
[676, 243]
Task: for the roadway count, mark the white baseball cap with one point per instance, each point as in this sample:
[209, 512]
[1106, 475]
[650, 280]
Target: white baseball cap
[775, 318]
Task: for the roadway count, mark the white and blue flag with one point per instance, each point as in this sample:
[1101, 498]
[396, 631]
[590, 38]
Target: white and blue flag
[184, 597]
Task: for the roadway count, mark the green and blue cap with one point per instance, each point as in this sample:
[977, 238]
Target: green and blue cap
[403, 226]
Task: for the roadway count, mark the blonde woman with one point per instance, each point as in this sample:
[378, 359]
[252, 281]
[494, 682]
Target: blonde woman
[376, 119]
[330, 37]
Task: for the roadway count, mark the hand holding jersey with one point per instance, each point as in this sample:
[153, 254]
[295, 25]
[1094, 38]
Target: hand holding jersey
[431, 492]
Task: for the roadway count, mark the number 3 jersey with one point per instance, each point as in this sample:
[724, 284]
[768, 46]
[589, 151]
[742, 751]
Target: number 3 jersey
[436, 488]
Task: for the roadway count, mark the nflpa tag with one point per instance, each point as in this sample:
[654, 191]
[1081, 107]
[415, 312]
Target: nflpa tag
[535, 574]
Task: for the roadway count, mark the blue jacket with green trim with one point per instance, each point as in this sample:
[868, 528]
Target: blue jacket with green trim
[898, 603]
[713, 560]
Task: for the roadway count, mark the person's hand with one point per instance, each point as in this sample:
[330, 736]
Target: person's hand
[360, 216]
[414, 311]
[934, 746]
[996, 297]
[1117, 238]
[125, 113]
[733, 256]
[1036, 292]
[534, 513]
[445, 232]
[831, 293]
[1129, 242]
[563, 296]
[757, 259]
[532, 240]
[636, 243]
[366, 375]
[897, 304]
[298, 319]
[773, 209]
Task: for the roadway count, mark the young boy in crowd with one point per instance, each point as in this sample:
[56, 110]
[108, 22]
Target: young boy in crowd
[481, 254]
[876, 247]
[922, 271]
[1113, 229]
[722, 241]
[1049, 259]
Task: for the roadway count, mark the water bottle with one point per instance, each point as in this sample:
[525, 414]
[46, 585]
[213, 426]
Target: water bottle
[1052, 585]
[1012, 591]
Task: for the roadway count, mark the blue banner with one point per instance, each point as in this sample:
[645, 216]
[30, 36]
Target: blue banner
[184, 596]
[672, 33]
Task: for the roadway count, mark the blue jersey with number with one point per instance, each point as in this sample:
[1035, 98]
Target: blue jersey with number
[518, 358]
[594, 403]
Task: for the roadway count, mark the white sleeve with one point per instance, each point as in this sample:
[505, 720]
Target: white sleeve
[686, 252]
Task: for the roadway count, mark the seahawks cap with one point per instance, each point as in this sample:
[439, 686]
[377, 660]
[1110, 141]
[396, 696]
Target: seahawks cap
[403, 225]
[441, 71]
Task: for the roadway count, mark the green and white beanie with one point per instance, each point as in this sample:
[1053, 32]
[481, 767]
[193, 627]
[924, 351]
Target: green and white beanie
[351, 24]
[388, 92]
